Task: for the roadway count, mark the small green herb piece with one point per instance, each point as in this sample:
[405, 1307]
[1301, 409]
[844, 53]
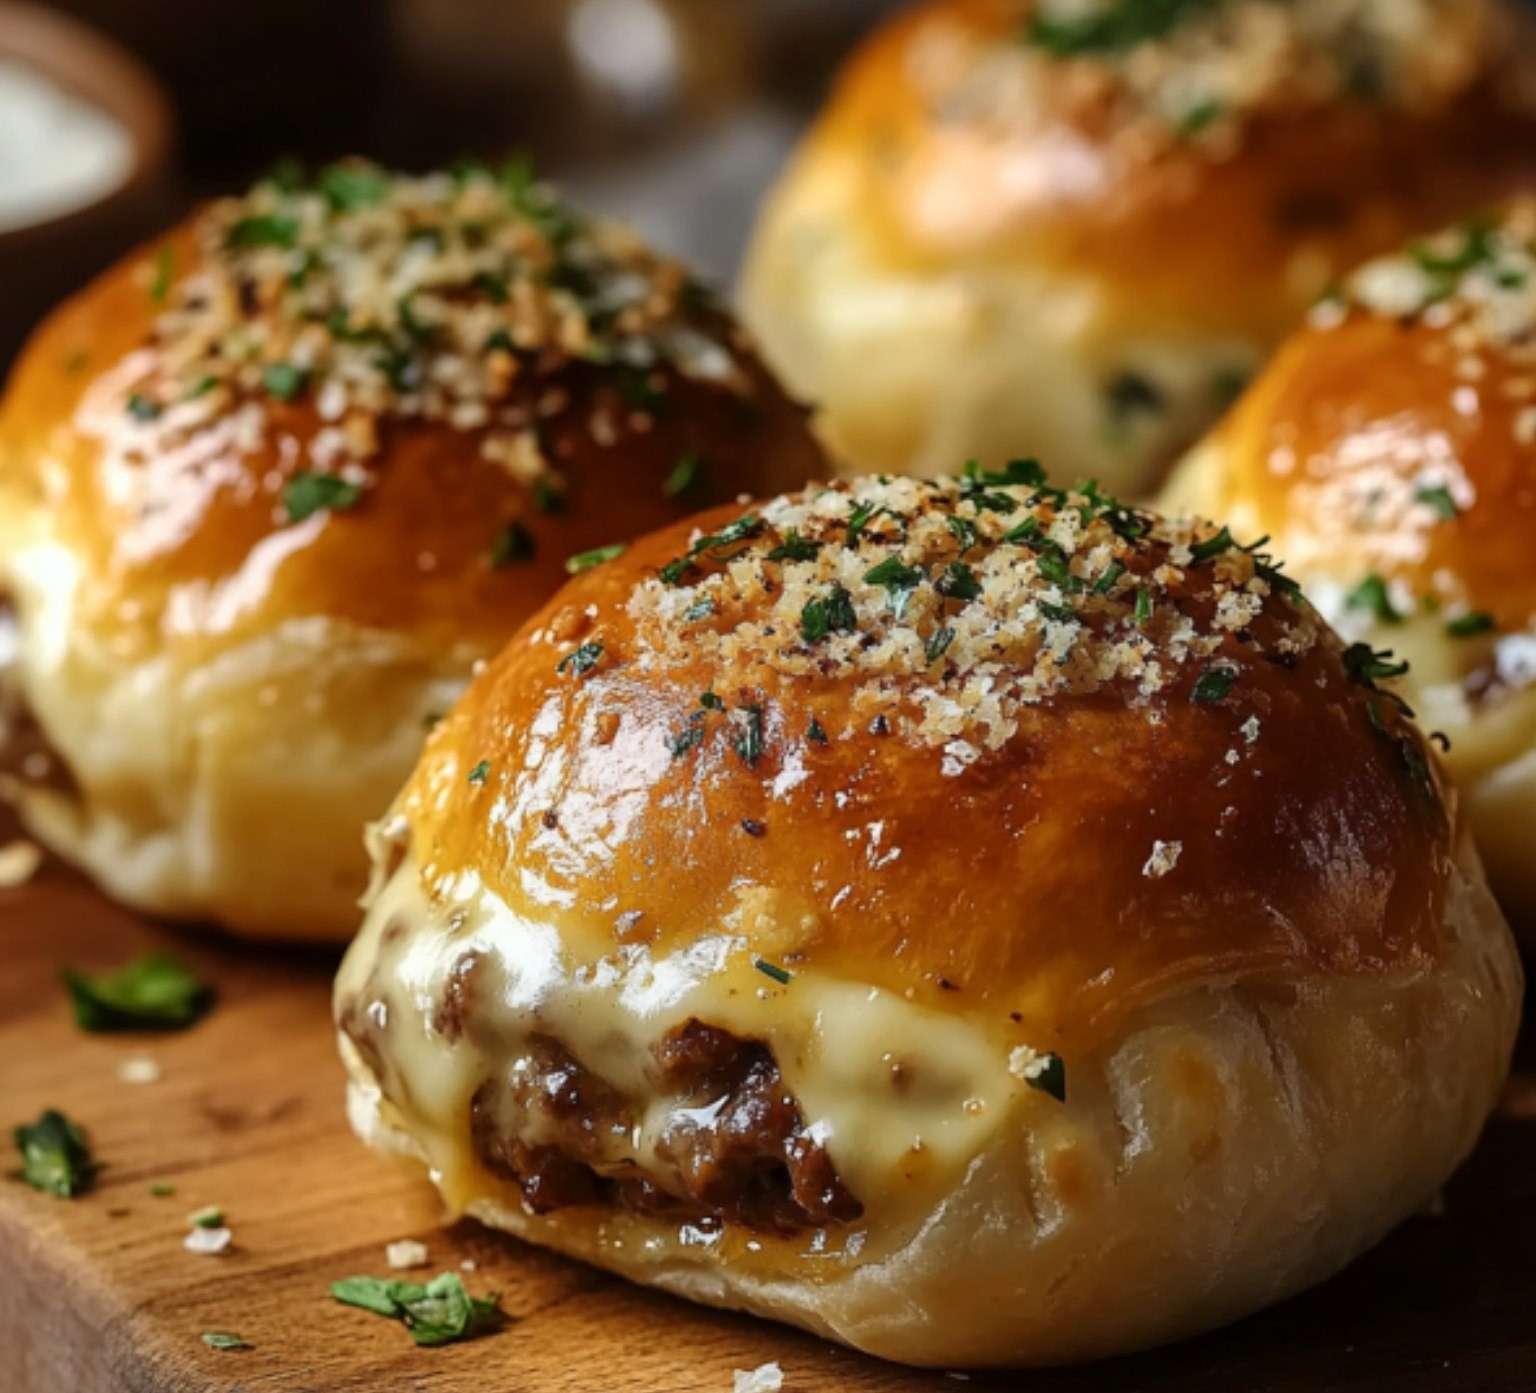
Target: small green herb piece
[1115, 27]
[746, 526]
[958, 582]
[1197, 117]
[815, 731]
[55, 1157]
[209, 1217]
[580, 661]
[1372, 595]
[749, 735]
[546, 497]
[262, 232]
[773, 970]
[306, 494]
[1438, 500]
[794, 547]
[686, 474]
[1268, 570]
[1105, 583]
[832, 614]
[202, 387]
[141, 408]
[1477, 621]
[587, 560]
[897, 579]
[480, 773]
[1142, 613]
[938, 643]
[1369, 666]
[513, 543]
[349, 187]
[162, 1190]
[224, 1340]
[1213, 546]
[283, 380]
[691, 734]
[858, 520]
[439, 1313]
[1061, 614]
[700, 609]
[1213, 684]
[1051, 1078]
[1027, 533]
[710, 702]
[155, 992]
[964, 530]
[492, 286]
[165, 272]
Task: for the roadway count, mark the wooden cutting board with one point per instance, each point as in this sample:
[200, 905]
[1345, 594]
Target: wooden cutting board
[97, 1295]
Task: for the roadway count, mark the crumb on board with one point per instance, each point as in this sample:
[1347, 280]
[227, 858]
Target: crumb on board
[766, 1378]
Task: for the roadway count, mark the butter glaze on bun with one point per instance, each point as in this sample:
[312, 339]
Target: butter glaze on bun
[978, 922]
[270, 488]
[1074, 229]
[1390, 451]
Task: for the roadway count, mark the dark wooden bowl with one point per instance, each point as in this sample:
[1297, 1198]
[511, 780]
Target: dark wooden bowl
[43, 261]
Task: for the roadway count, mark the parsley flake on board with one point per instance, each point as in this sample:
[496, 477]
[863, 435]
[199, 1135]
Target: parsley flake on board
[306, 494]
[224, 1340]
[439, 1313]
[155, 992]
[1478, 621]
[773, 970]
[55, 1156]
[283, 380]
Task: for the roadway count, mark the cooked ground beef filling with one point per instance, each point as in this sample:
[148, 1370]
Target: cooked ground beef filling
[735, 1149]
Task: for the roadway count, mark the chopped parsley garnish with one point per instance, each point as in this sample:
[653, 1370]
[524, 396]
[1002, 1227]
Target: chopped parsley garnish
[964, 530]
[580, 661]
[1211, 547]
[1477, 621]
[306, 494]
[1476, 249]
[1115, 27]
[165, 271]
[1372, 595]
[1197, 117]
[897, 579]
[283, 380]
[700, 609]
[513, 543]
[832, 613]
[480, 773]
[493, 287]
[1142, 612]
[710, 702]
[858, 520]
[816, 732]
[768, 969]
[1061, 614]
[349, 187]
[749, 734]
[587, 560]
[141, 408]
[55, 1157]
[1213, 684]
[263, 232]
[1050, 1078]
[1437, 498]
[1027, 533]
[958, 582]
[1268, 570]
[691, 734]
[202, 387]
[686, 474]
[224, 1340]
[1105, 583]
[794, 547]
[1369, 666]
[1023, 473]
[439, 1313]
[547, 498]
[155, 992]
[1052, 563]
[745, 527]
[209, 1217]
[938, 643]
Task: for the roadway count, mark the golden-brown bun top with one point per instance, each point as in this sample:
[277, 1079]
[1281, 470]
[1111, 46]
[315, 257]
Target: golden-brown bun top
[1013, 751]
[1215, 160]
[1393, 439]
[404, 402]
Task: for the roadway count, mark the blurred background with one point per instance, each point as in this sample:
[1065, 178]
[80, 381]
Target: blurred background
[673, 114]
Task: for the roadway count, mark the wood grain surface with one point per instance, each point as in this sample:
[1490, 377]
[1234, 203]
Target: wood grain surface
[97, 1295]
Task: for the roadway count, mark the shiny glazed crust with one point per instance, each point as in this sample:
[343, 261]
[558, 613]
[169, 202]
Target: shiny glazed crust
[1390, 452]
[984, 249]
[233, 683]
[1236, 915]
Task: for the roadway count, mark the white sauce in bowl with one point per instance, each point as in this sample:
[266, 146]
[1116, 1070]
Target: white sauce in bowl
[58, 152]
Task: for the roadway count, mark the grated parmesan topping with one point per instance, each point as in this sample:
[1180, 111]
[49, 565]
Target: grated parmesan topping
[1156, 72]
[950, 606]
[1477, 282]
[451, 297]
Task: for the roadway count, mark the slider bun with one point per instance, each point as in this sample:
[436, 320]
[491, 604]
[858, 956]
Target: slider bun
[230, 663]
[1390, 451]
[985, 247]
[970, 960]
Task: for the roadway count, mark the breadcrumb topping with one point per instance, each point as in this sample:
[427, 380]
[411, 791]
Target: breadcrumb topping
[1153, 73]
[455, 297]
[950, 606]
